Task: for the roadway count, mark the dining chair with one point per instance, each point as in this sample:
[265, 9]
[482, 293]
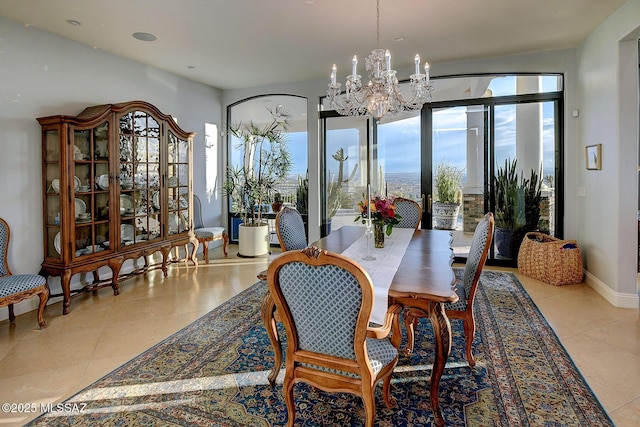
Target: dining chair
[205, 235]
[17, 287]
[410, 211]
[290, 230]
[465, 289]
[325, 300]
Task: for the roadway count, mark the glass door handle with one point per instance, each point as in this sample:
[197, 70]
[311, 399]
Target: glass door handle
[426, 207]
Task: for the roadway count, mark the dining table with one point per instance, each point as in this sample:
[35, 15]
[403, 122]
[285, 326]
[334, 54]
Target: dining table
[422, 284]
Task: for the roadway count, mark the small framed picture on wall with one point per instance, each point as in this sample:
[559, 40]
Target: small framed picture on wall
[594, 156]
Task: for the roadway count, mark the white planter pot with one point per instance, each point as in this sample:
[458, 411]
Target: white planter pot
[446, 215]
[253, 241]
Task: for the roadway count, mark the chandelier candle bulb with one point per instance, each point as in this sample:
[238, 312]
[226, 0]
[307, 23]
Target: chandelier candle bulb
[426, 70]
[334, 71]
[382, 94]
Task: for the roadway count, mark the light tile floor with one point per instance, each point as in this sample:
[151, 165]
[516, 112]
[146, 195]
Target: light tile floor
[102, 332]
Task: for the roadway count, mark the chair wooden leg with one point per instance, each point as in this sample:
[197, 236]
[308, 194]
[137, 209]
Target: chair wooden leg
[205, 251]
[225, 242]
[389, 401]
[469, 332]
[288, 397]
[369, 405]
[12, 316]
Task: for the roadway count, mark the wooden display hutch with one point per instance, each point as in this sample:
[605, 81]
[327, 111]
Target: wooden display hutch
[117, 185]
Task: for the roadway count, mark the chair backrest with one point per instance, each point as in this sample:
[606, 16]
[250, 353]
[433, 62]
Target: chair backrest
[324, 300]
[290, 230]
[480, 244]
[410, 211]
[197, 213]
[4, 247]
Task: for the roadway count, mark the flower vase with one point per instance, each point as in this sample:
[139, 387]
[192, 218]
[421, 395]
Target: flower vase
[378, 235]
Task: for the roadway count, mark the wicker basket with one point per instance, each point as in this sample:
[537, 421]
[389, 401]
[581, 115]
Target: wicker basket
[550, 260]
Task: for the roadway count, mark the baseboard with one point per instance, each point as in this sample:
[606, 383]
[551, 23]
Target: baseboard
[617, 299]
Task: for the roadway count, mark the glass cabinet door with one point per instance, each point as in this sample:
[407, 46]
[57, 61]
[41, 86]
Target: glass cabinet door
[178, 184]
[53, 213]
[140, 198]
[90, 190]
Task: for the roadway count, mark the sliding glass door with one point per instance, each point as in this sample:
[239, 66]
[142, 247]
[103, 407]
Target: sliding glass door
[473, 125]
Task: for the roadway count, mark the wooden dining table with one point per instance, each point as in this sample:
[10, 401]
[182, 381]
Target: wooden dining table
[423, 283]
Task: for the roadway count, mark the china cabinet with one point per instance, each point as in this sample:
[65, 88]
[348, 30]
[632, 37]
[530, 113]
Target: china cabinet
[117, 184]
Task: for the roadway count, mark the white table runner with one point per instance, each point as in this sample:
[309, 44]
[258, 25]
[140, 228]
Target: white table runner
[383, 268]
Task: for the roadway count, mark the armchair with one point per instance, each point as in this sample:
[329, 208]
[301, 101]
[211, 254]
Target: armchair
[324, 301]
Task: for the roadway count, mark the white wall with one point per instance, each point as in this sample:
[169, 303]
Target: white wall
[42, 74]
[608, 90]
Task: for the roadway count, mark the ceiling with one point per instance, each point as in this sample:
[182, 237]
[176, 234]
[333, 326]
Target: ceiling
[246, 43]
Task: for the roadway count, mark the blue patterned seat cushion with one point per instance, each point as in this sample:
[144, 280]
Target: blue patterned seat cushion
[203, 234]
[214, 231]
[380, 351]
[15, 284]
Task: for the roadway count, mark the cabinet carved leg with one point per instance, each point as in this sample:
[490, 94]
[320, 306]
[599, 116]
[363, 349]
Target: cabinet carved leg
[165, 250]
[115, 264]
[96, 279]
[65, 283]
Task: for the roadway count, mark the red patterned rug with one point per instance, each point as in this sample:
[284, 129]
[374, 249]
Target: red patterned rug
[214, 373]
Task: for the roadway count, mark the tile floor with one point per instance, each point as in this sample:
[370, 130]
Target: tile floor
[102, 332]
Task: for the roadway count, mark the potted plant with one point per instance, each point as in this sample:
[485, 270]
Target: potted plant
[517, 208]
[276, 202]
[266, 161]
[448, 180]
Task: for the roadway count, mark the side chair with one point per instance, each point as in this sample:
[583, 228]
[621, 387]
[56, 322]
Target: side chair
[410, 211]
[466, 289]
[205, 235]
[325, 300]
[18, 287]
[290, 230]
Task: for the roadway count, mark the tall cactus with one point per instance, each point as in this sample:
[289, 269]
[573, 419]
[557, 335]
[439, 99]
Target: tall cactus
[334, 188]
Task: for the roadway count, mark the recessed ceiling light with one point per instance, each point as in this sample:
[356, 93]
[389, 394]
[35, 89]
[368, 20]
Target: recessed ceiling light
[145, 37]
[191, 67]
[74, 22]
[399, 39]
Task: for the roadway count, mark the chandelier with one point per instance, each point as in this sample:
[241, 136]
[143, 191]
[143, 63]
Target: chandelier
[382, 95]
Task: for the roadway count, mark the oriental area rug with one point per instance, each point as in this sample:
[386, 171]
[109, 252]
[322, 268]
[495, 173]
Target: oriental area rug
[214, 373]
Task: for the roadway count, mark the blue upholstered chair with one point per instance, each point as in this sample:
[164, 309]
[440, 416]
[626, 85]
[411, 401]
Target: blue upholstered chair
[466, 289]
[410, 211]
[206, 234]
[325, 300]
[18, 287]
[290, 230]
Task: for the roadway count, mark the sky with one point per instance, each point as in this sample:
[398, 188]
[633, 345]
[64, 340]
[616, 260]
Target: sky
[399, 140]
